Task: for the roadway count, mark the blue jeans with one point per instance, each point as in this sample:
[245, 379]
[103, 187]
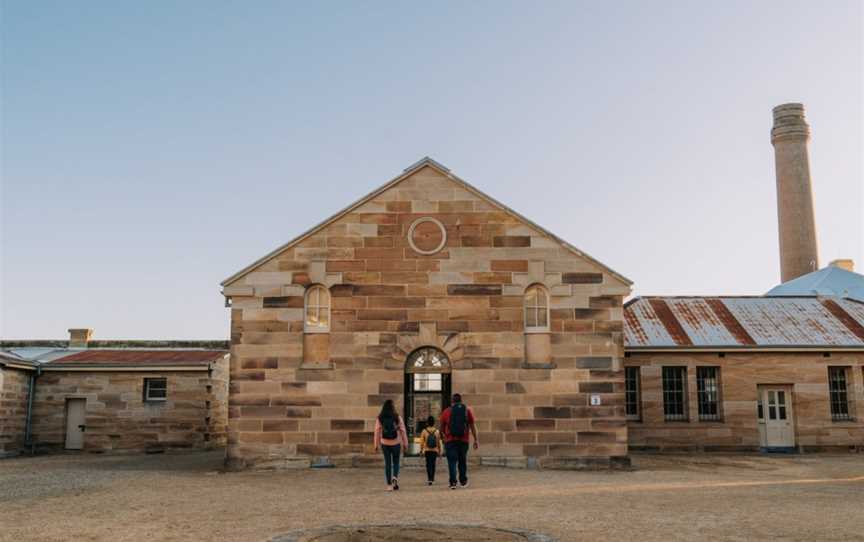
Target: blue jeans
[457, 456]
[391, 461]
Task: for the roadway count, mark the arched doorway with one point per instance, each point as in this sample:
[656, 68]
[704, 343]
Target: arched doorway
[427, 390]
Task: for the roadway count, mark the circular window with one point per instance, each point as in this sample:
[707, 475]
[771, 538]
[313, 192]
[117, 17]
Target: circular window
[427, 235]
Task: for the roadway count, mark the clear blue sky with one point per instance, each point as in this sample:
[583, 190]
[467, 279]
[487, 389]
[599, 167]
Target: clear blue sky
[151, 149]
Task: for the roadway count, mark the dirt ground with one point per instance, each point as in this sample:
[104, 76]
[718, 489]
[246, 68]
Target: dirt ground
[187, 497]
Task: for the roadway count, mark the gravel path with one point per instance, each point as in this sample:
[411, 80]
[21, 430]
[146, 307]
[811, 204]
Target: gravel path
[186, 497]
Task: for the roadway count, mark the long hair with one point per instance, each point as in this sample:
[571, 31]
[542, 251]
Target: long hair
[388, 410]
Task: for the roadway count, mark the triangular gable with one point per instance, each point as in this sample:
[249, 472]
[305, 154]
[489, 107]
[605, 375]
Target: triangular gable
[409, 171]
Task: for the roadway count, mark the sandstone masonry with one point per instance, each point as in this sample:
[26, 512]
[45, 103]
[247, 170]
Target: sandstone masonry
[426, 261]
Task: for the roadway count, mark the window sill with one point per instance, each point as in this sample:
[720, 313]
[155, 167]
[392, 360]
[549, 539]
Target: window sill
[852, 421]
[537, 331]
[155, 400]
[316, 330]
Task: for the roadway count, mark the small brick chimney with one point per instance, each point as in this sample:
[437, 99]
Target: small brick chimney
[79, 337]
[799, 252]
[844, 263]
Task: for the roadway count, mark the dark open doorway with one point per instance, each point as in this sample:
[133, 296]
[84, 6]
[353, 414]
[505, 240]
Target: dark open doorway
[427, 391]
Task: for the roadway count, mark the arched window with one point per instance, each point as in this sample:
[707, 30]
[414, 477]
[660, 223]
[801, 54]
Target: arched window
[317, 309]
[536, 308]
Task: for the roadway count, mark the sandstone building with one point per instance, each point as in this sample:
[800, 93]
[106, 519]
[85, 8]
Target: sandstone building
[424, 287]
[745, 373]
[111, 396]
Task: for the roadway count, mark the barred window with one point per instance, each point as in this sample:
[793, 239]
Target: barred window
[839, 394]
[155, 389]
[317, 309]
[675, 393]
[708, 393]
[536, 308]
[631, 393]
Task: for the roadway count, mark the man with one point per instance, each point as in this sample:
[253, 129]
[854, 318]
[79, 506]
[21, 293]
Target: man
[456, 421]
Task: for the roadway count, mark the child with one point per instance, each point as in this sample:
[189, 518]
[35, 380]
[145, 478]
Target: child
[431, 448]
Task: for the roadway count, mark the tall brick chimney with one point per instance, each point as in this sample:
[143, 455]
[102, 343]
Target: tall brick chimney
[799, 252]
[79, 337]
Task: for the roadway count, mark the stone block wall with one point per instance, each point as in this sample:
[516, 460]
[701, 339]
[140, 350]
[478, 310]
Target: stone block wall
[14, 389]
[118, 418]
[740, 376]
[298, 397]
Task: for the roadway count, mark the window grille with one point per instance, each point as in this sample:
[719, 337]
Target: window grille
[708, 393]
[631, 393]
[675, 393]
[839, 394]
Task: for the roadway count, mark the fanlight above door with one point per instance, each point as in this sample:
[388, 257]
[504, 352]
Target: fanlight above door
[428, 360]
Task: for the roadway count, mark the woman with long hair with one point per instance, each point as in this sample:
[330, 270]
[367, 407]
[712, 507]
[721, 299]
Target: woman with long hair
[391, 438]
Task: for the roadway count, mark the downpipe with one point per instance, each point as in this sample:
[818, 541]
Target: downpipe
[28, 420]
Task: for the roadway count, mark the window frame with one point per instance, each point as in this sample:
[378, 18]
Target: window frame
[837, 396]
[310, 328]
[536, 309]
[635, 392]
[148, 382]
[683, 416]
[701, 392]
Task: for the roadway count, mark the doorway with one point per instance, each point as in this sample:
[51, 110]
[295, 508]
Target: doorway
[776, 418]
[75, 423]
[427, 391]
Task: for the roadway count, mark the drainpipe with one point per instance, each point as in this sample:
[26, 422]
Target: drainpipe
[28, 422]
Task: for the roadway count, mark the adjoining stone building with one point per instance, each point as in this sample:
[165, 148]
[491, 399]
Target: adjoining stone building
[112, 396]
[424, 287]
[745, 373]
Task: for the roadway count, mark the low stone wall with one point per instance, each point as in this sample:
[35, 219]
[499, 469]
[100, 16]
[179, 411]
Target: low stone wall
[119, 419]
[14, 385]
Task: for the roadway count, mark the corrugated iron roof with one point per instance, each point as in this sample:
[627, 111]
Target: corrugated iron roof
[743, 322]
[140, 357]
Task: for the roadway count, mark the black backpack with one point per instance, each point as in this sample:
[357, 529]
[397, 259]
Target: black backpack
[458, 420]
[390, 427]
[431, 439]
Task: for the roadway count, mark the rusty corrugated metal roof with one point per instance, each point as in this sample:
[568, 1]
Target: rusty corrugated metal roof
[743, 322]
[140, 357]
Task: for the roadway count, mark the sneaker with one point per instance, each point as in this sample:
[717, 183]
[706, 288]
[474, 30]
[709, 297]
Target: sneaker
[464, 485]
[452, 486]
[429, 483]
[395, 484]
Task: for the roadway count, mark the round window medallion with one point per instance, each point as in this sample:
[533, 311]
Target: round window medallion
[427, 235]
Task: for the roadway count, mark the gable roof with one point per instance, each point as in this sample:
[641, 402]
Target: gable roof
[410, 170]
[828, 281]
[693, 323]
[139, 358]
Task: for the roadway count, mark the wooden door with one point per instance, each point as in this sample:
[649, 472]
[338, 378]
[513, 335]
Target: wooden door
[75, 423]
[779, 427]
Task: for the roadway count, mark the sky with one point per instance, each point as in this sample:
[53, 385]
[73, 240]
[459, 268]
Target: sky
[149, 150]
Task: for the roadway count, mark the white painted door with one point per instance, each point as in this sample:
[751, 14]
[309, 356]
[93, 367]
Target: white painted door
[779, 429]
[75, 423]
